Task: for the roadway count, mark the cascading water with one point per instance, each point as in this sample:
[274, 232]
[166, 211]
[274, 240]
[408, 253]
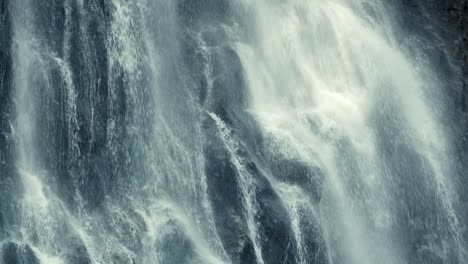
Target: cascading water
[215, 131]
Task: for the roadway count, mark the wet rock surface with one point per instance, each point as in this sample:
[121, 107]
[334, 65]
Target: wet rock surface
[13, 253]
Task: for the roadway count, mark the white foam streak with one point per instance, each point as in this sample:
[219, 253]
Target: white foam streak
[316, 72]
[246, 182]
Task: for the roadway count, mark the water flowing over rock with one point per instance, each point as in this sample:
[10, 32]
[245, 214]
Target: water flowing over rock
[247, 131]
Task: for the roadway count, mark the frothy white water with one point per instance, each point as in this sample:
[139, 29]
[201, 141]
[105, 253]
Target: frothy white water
[42, 217]
[34, 191]
[329, 86]
[299, 208]
[317, 72]
[165, 219]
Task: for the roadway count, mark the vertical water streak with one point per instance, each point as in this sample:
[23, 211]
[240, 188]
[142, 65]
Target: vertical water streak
[219, 131]
[317, 73]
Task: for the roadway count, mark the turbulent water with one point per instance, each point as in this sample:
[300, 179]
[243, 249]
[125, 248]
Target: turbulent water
[215, 131]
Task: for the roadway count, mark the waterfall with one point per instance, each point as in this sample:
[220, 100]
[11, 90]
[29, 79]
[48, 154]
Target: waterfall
[214, 131]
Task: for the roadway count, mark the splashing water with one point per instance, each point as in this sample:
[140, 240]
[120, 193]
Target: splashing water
[224, 132]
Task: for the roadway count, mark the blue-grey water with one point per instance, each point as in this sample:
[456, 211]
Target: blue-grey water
[215, 131]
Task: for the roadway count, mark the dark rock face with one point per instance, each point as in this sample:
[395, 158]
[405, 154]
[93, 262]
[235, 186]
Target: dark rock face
[272, 219]
[204, 10]
[301, 174]
[174, 240]
[77, 252]
[224, 191]
[277, 242]
[95, 143]
[8, 180]
[227, 100]
[13, 253]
